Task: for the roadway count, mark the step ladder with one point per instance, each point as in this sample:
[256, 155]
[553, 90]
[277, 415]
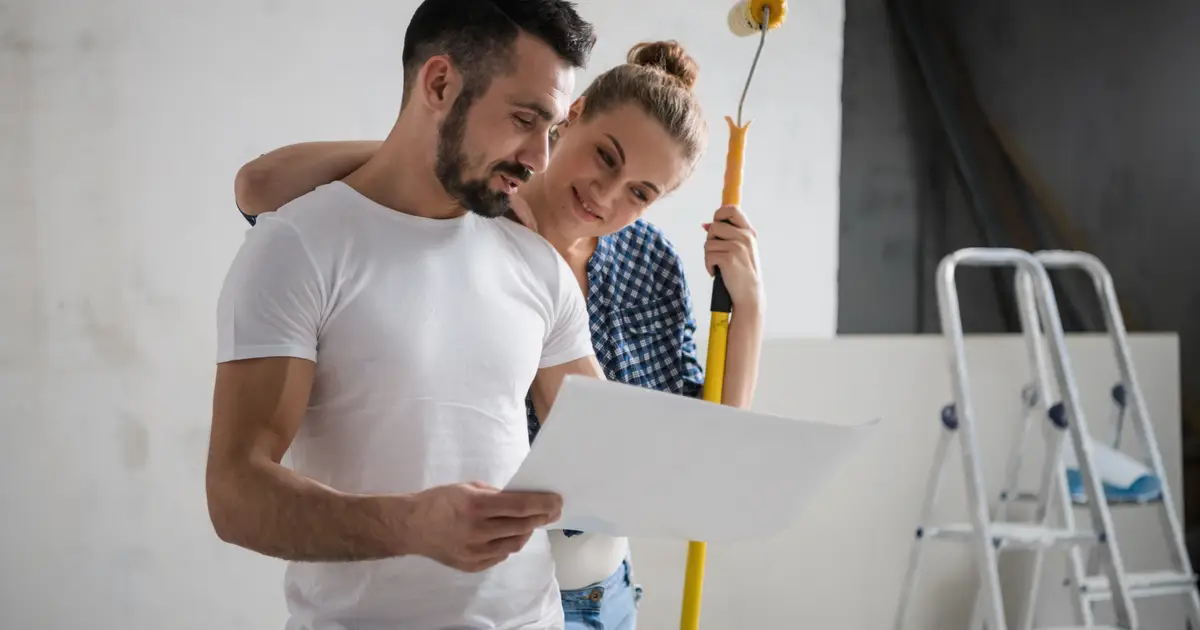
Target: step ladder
[985, 533]
[1087, 588]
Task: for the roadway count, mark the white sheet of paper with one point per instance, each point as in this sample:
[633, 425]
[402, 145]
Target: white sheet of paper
[631, 461]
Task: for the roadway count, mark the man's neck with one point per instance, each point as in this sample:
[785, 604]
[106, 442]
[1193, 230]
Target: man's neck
[400, 175]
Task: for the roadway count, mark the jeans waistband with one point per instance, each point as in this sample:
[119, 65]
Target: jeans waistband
[621, 578]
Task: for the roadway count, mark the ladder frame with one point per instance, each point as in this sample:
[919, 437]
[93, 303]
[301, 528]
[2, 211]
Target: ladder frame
[1128, 397]
[958, 420]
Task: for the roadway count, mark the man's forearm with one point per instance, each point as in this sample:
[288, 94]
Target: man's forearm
[271, 510]
[276, 178]
[742, 357]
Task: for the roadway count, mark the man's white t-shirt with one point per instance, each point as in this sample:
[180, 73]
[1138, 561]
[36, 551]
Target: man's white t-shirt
[427, 335]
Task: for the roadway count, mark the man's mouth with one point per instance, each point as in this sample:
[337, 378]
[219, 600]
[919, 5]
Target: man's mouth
[511, 184]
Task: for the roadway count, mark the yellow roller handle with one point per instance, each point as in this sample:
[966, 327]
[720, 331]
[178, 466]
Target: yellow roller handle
[731, 194]
[714, 380]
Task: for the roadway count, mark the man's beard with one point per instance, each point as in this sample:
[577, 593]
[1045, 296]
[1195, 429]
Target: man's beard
[475, 195]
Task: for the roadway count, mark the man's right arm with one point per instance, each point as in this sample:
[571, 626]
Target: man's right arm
[256, 503]
[268, 315]
[276, 178]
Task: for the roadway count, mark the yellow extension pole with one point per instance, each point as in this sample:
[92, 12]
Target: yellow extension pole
[745, 18]
[714, 381]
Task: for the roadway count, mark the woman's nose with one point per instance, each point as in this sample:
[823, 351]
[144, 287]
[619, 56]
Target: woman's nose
[604, 190]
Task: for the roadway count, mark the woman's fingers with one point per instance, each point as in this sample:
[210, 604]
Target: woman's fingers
[734, 215]
[727, 232]
[520, 212]
[712, 260]
[719, 246]
[726, 254]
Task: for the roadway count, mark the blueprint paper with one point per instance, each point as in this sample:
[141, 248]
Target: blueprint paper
[631, 461]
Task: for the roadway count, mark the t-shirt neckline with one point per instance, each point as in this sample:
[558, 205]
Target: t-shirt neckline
[399, 215]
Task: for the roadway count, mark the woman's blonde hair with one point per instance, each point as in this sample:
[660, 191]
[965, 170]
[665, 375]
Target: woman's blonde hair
[657, 77]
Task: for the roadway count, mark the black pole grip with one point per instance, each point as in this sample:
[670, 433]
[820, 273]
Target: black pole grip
[721, 302]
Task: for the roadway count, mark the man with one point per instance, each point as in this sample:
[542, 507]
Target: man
[386, 328]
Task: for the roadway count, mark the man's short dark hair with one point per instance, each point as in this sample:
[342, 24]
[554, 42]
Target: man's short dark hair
[479, 36]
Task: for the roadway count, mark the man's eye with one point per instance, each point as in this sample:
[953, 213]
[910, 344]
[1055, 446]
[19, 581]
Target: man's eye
[524, 121]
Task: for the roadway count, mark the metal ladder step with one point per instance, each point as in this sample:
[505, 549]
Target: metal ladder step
[1081, 502]
[1141, 585]
[1014, 535]
[1082, 628]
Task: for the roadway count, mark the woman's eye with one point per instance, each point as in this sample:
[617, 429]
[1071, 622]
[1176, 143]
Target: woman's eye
[608, 160]
[641, 196]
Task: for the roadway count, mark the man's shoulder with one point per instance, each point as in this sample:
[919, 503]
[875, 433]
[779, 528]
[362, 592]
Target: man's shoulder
[541, 256]
[319, 208]
[326, 218]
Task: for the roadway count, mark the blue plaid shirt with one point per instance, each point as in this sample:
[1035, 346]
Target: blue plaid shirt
[640, 312]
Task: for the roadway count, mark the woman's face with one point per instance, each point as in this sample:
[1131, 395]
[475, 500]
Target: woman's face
[604, 172]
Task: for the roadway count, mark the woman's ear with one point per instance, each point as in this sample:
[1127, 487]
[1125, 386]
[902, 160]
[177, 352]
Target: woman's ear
[564, 127]
[576, 110]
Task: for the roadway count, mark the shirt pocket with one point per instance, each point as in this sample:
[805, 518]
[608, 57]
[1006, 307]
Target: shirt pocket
[648, 348]
[644, 323]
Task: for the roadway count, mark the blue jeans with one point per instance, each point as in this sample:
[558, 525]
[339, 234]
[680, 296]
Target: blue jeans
[608, 605]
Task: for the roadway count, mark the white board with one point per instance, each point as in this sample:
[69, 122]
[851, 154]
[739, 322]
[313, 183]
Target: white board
[630, 461]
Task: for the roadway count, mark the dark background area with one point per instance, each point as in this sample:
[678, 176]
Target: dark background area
[1077, 126]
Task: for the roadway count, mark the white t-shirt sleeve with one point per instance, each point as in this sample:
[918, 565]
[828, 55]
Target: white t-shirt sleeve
[569, 336]
[274, 295]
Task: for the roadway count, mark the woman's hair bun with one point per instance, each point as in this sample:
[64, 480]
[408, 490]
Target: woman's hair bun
[668, 56]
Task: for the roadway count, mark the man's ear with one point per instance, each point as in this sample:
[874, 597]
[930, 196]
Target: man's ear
[438, 83]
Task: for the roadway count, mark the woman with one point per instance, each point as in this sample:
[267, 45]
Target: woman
[634, 135]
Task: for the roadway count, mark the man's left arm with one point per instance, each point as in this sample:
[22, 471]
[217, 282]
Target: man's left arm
[548, 381]
[567, 348]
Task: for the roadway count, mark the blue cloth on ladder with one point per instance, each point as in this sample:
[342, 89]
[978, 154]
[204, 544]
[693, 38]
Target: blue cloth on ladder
[1144, 489]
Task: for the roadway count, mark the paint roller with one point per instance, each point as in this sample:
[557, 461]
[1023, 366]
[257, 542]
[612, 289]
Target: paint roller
[746, 18]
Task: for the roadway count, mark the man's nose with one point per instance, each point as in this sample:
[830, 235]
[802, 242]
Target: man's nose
[535, 153]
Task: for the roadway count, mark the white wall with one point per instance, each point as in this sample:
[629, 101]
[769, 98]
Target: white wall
[843, 564]
[122, 124]
[793, 146]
